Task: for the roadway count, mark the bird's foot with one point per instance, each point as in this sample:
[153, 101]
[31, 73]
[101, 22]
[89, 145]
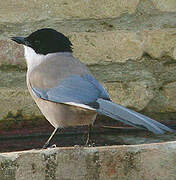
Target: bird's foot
[89, 143]
[46, 145]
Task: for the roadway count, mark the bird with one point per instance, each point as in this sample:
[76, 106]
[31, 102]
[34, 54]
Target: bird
[65, 90]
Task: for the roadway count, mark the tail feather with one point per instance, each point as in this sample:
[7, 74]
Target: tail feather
[130, 117]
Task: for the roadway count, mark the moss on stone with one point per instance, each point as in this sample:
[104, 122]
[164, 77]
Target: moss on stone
[12, 68]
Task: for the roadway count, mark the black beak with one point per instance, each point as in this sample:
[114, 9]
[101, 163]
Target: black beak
[19, 40]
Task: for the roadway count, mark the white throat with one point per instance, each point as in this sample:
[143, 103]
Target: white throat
[32, 58]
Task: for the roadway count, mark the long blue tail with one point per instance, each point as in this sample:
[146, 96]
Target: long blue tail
[130, 117]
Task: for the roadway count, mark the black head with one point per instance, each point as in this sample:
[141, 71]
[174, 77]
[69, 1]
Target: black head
[45, 41]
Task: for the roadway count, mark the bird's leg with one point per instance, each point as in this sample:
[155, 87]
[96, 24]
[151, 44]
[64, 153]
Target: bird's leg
[48, 141]
[88, 135]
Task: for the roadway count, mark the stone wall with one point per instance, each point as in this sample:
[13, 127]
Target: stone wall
[130, 46]
[144, 162]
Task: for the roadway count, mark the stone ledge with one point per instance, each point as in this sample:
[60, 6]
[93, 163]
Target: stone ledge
[148, 161]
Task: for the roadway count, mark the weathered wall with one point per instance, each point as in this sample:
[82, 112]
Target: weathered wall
[135, 162]
[130, 46]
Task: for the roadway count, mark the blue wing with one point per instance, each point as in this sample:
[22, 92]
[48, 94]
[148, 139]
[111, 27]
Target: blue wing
[83, 89]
